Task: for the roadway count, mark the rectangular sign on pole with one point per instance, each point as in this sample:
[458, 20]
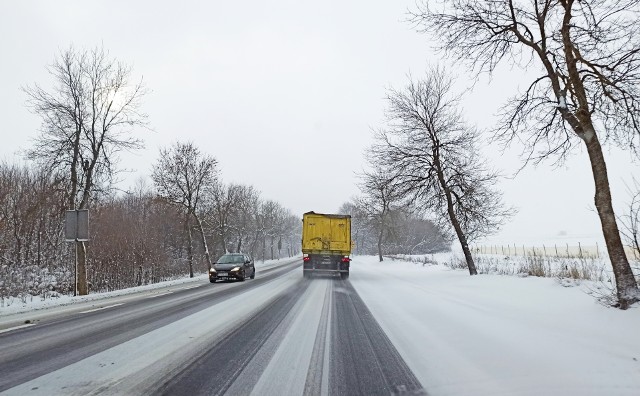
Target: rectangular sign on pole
[70, 220]
[76, 225]
[83, 225]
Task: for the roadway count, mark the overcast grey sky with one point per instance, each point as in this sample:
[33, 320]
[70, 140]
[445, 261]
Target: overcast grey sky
[283, 93]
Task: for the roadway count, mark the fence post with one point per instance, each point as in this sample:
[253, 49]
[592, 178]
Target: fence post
[579, 250]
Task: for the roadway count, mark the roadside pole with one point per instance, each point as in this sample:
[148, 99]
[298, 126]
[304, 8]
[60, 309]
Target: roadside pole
[76, 229]
[75, 267]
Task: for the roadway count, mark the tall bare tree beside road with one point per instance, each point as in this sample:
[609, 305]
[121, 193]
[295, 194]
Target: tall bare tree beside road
[587, 90]
[87, 118]
[184, 176]
[429, 155]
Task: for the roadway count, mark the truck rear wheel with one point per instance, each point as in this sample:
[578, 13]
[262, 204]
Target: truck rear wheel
[306, 274]
[344, 275]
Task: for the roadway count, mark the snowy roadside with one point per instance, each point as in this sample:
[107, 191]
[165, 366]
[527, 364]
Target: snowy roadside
[15, 305]
[496, 334]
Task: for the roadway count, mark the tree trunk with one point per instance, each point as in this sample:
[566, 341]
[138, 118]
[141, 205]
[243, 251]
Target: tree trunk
[187, 224]
[380, 244]
[271, 248]
[582, 124]
[452, 214]
[204, 241]
[223, 237]
[462, 238]
[626, 285]
[460, 233]
[83, 287]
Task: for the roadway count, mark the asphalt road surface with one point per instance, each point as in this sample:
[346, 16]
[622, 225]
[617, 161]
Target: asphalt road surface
[278, 334]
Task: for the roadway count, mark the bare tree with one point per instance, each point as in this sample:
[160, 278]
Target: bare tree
[381, 197]
[87, 118]
[270, 218]
[185, 177]
[242, 220]
[224, 200]
[291, 234]
[588, 89]
[431, 156]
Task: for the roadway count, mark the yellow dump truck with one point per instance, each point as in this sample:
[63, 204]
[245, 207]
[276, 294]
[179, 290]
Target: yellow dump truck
[326, 244]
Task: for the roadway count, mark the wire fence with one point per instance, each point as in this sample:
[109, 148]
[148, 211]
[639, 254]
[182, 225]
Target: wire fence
[555, 250]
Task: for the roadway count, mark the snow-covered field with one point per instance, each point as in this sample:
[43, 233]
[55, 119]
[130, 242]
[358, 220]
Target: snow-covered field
[486, 334]
[501, 335]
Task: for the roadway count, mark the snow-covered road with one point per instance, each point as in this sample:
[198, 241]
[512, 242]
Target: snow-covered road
[277, 335]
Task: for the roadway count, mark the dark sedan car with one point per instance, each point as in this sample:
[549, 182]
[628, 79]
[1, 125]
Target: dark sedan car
[233, 266]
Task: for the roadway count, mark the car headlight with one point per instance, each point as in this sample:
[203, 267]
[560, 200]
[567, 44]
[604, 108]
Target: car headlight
[212, 271]
[235, 269]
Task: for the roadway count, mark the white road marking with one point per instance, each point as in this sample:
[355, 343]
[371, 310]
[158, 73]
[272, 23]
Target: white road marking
[101, 308]
[161, 294]
[17, 327]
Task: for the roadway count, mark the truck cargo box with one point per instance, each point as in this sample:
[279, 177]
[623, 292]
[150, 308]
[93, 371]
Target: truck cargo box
[326, 233]
[326, 243]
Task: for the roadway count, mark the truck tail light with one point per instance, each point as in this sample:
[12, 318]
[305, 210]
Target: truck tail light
[346, 259]
[305, 259]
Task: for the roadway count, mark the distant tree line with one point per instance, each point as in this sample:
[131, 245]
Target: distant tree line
[34, 258]
[397, 231]
[136, 237]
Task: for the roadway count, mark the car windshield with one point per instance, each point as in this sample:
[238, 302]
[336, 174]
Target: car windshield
[231, 259]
